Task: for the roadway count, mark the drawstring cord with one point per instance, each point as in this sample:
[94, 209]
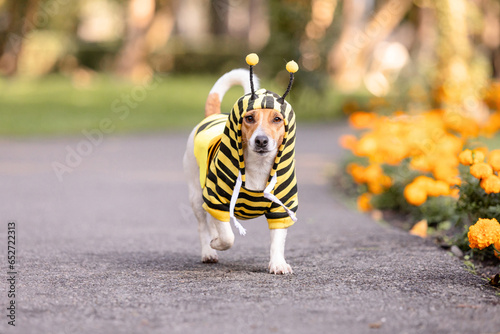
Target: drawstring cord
[234, 197]
[271, 197]
[267, 195]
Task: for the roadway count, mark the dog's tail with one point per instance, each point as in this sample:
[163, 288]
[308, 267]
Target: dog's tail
[235, 77]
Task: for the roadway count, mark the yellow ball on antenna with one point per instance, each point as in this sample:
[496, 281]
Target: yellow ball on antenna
[252, 59]
[292, 66]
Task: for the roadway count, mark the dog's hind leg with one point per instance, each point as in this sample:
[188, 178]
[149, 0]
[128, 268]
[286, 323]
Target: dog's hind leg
[208, 254]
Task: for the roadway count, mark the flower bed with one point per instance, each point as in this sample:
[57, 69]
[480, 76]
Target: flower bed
[432, 168]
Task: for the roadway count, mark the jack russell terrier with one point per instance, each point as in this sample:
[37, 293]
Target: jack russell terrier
[242, 165]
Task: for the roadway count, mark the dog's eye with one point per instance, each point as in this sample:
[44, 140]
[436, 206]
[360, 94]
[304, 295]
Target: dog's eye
[249, 119]
[277, 119]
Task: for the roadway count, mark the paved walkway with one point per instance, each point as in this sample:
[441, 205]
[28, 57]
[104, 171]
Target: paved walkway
[113, 248]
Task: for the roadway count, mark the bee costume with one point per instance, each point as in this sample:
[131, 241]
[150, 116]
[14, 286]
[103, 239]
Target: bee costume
[218, 149]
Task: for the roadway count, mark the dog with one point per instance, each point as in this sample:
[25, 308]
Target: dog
[242, 166]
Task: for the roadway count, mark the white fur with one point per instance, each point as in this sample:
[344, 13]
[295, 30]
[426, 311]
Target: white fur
[277, 264]
[217, 235]
[257, 168]
[239, 76]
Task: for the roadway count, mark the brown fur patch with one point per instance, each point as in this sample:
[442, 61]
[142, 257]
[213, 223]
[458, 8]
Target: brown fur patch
[212, 106]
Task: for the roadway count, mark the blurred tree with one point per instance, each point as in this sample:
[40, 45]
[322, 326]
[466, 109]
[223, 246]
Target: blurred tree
[219, 13]
[131, 60]
[461, 75]
[349, 57]
[322, 12]
[193, 20]
[491, 32]
[21, 16]
[288, 20]
[258, 26]
[342, 57]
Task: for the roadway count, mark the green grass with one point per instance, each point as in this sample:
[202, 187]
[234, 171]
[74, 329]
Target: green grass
[492, 143]
[55, 106]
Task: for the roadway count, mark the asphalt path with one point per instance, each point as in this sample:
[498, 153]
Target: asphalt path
[108, 244]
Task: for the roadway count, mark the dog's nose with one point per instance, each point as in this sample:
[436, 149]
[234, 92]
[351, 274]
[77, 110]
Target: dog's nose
[261, 141]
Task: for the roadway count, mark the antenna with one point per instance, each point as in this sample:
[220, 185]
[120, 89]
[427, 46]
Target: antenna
[252, 60]
[291, 67]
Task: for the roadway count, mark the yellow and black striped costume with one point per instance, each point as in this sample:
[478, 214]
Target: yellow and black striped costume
[219, 151]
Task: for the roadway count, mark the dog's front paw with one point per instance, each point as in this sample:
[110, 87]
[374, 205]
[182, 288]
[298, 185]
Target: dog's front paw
[279, 267]
[209, 255]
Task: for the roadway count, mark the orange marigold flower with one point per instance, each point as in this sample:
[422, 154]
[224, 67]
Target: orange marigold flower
[455, 193]
[481, 170]
[420, 229]
[454, 181]
[364, 202]
[491, 184]
[478, 156]
[394, 152]
[439, 188]
[357, 172]
[466, 126]
[494, 159]
[465, 157]
[348, 142]
[484, 233]
[469, 157]
[432, 187]
[385, 181]
[424, 181]
[415, 194]
[366, 146]
[493, 124]
[449, 143]
[373, 173]
[421, 163]
[362, 119]
[379, 184]
[447, 174]
[375, 188]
